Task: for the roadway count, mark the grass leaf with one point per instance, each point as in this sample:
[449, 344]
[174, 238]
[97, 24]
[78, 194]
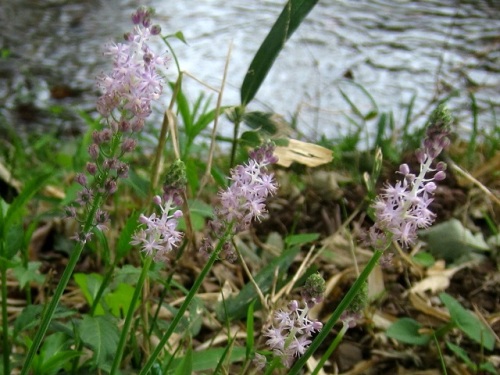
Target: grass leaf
[290, 18]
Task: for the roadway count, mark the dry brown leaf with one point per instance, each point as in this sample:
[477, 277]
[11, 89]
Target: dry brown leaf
[305, 153]
[376, 284]
[337, 250]
[437, 280]
[424, 306]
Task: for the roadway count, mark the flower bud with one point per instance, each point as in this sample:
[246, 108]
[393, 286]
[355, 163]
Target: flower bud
[404, 169]
[110, 186]
[440, 176]
[128, 145]
[81, 179]
[92, 168]
[155, 30]
[441, 166]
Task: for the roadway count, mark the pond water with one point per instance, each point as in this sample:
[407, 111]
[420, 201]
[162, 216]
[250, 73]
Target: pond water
[395, 49]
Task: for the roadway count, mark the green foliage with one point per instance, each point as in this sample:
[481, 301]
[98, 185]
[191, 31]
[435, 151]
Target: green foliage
[462, 354]
[407, 330]
[28, 273]
[236, 307]
[99, 333]
[288, 21]
[468, 323]
[55, 355]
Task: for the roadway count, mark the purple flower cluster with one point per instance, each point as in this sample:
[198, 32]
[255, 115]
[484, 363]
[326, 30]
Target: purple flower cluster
[134, 81]
[125, 103]
[244, 200]
[291, 334]
[402, 209]
[160, 236]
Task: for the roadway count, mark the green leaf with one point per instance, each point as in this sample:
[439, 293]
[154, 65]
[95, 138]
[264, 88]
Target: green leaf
[28, 274]
[488, 366]
[290, 18]
[14, 238]
[30, 317]
[207, 360]
[15, 210]
[119, 300]
[453, 242]
[195, 313]
[262, 121]
[89, 285]
[301, 239]
[186, 365]
[101, 334]
[406, 331]
[424, 259]
[462, 354]
[179, 35]
[468, 323]
[250, 331]
[54, 355]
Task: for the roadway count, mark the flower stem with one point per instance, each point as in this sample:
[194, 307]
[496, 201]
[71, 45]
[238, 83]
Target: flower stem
[331, 348]
[130, 314]
[68, 271]
[343, 305]
[182, 309]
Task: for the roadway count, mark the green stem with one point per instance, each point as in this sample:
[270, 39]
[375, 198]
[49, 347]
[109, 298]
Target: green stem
[61, 286]
[343, 305]
[182, 309]
[234, 141]
[441, 358]
[130, 315]
[5, 321]
[330, 349]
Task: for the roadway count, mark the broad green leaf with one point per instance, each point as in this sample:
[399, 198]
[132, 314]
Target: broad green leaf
[101, 334]
[453, 242]
[30, 317]
[28, 274]
[468, 323]
[89, 285]
[406, 330]
[290, 18]
[186, 364]
[119, 300]
[424, 259]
